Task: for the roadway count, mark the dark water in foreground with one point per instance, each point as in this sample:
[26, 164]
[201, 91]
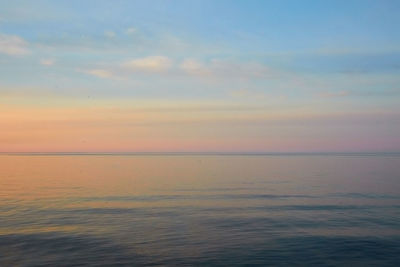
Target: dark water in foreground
[199, 210]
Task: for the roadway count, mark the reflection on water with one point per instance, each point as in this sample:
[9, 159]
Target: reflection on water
[199, 210]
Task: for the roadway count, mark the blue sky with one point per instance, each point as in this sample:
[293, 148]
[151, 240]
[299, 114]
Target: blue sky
[316, 58]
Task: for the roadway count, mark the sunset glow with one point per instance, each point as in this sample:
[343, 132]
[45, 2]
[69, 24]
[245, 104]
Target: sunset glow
[100, 76]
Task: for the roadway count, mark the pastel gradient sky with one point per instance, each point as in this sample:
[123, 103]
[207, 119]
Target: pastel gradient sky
[184, 75]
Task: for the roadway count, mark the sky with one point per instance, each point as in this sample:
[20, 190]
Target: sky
[206, 76]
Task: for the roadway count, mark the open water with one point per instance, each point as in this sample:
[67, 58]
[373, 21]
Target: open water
[200, 210]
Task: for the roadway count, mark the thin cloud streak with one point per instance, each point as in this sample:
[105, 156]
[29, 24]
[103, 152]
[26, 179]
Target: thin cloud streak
[149, 64]
[13, 45]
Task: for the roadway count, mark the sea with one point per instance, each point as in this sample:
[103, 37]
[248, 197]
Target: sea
[216, 209]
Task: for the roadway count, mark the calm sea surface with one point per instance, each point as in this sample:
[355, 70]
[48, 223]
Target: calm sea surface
[224, 210]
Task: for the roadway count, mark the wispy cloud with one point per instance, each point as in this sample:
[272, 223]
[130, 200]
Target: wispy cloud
[101, 73]
[149, 64]
[109, 34]
[13, 45]
[47, 61]
[130, 30]
[215, 68]
[194, 67]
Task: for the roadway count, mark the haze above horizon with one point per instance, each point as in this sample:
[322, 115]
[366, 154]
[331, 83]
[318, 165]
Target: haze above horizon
[199, 76]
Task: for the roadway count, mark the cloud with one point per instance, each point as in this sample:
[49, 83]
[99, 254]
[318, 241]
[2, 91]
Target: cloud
[130, 30]
[212, 70]
[101, 73]
[194, 67]
[109, 34]
[149, 64]
[13, 45]
[47, 61]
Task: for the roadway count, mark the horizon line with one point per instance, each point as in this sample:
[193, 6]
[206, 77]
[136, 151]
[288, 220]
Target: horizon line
[215, 153]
